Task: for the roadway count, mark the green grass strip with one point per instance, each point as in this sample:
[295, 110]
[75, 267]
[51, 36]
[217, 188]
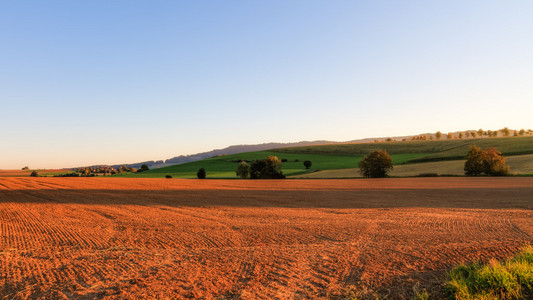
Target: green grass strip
[510, 279]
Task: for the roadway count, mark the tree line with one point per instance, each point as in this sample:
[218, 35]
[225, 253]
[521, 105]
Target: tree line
[504, 132]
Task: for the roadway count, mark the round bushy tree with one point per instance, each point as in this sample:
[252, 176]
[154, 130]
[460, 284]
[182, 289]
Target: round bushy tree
[485, 161]
[376, 165]
[144, 167]
[506, 131]
[308, 164]
[201, 174]
[243, 170]
[269, 168]
[494, 163]
[474, 161]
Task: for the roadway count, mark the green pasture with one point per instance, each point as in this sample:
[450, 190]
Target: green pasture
[224, 166]
[432, 150]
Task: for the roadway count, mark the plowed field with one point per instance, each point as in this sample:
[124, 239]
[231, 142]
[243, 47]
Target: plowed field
[157, 238]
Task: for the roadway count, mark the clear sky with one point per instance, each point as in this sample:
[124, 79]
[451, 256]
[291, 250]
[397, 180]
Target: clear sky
[108, 82]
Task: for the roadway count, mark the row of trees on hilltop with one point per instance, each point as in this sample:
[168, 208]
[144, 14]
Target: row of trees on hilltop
[469, 134]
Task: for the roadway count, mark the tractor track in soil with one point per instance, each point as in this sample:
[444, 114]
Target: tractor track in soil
[136, 238]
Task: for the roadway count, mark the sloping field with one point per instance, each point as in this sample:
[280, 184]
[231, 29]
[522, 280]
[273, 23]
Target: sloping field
[333, 157]
[519, 164]
[277, 239]
[224, 166]
[430, 150]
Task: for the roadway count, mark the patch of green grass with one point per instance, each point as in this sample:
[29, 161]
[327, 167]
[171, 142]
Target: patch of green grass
[225, 166]
[511, 279]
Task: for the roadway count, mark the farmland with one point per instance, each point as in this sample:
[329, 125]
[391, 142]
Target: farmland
[340, 160]
[429, 150]
[26, 173]
[519, 164]
[156, 238]
[224, 166]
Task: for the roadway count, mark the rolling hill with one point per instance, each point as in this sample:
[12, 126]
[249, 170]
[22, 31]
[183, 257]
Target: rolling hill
[347, 156]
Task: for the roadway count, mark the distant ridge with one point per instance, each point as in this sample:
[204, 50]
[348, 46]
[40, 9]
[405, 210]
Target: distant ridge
[239, 149]
[181, 159]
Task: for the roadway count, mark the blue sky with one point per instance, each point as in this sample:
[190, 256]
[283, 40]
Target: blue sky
[111, 82]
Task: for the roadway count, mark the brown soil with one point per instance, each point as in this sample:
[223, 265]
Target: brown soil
[157, 238]
[8, 173]
[26, 173]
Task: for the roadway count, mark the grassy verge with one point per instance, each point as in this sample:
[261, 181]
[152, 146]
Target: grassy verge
[510, 279]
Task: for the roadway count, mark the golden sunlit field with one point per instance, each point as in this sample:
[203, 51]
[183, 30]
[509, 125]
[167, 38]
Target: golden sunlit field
[267, 239]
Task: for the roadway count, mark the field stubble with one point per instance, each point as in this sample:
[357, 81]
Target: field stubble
[131, 238]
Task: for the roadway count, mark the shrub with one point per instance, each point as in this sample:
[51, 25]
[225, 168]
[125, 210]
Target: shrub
[474, 161]
[144, 167]
[428, 175]
[201, 174]
[376, 165]
[26, 168]
[125, 169]
[34, 174]
[284, 160]
[73, 174]
[308, 164]
[494, 163]
[243, 170]
[269, 168]
[511, 279]
[168, 176]
[485, 161]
